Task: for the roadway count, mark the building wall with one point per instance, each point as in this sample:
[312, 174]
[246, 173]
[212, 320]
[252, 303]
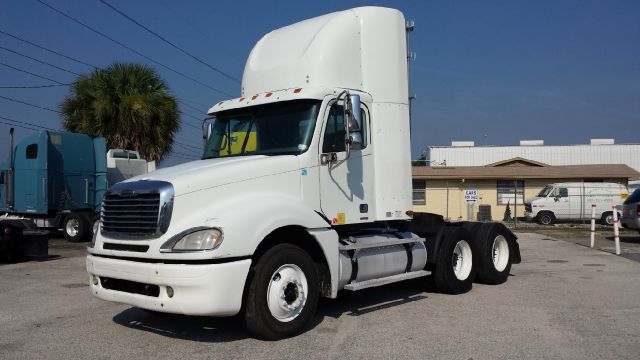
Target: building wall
[446, 197]
[549, 154]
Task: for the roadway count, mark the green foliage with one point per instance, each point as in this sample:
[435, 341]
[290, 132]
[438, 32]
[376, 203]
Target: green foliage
[129, 104]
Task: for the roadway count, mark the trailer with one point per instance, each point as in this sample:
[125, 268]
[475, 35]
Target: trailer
[56, 181]
[304, 190]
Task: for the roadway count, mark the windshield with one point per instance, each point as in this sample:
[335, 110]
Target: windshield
[284, 128]
[544, 192]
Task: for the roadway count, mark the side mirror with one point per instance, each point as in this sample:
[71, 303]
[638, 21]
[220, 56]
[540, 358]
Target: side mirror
[355, 130]
[352, 121]
[206, 131]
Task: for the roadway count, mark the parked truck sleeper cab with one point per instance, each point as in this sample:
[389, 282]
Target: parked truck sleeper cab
[301, 192]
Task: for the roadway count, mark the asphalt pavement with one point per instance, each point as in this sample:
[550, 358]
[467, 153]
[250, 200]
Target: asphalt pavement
[564, 301]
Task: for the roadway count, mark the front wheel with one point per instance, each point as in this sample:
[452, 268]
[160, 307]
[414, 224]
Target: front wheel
[453, 273]
[546, 218]
[283, 293]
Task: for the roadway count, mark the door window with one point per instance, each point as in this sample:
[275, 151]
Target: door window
[334, 133]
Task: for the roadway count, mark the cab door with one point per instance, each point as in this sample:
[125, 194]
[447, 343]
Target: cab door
[346, 184]
[561, 205]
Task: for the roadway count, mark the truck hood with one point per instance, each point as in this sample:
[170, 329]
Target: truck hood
[204, 174]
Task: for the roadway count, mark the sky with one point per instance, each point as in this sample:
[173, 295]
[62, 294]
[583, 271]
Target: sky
[493, 72]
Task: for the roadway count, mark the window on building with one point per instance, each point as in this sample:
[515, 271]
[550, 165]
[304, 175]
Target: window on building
[510, 192]
[419, 192]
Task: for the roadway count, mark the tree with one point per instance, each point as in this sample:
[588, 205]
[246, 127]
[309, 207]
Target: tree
[129, 104]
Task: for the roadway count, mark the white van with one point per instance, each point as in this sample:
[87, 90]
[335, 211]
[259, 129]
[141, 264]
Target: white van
[572, 201]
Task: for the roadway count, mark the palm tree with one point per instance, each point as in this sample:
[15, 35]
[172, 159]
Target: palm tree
[129, 104]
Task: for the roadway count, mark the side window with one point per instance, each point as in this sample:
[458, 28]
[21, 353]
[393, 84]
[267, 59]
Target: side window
[334, 134]
[32, 151]
[564, 192]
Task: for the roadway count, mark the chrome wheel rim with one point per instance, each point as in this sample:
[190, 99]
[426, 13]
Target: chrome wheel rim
[73, 227]
[461, 260]
[287, 292]
[500, 253]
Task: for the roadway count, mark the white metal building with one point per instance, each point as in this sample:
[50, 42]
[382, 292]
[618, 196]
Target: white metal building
[599, 151]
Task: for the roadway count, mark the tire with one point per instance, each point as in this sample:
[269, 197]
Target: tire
[75, 227]
[607, 218]
[545, 218]
[453, 273]
[282, 295]
[492, 254]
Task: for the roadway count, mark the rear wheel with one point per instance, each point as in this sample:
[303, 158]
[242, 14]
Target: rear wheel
[453, 273]
[283, 293]
[76, 227]
[492, 254]
[607, 218]
[546, 218]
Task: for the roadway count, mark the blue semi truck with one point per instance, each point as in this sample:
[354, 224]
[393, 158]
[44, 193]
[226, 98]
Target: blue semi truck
[56, 180]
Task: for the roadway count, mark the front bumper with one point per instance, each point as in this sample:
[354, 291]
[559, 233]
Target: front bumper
[529, 216]
[199, 289]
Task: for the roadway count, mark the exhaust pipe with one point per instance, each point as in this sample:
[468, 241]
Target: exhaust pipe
[9, 179]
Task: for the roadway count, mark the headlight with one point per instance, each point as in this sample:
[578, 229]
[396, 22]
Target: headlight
[194, 240]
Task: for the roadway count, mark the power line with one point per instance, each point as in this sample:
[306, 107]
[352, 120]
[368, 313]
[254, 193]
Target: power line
[32, 87]
[40, 61]
[191, 116]
[189, 106]
[30, 104]
[28, 123]
[192, 156]
[180, 157]
[198, 152]
[132, 50]
[46, 49]
[30, 73]
[172, 44]
[187, 145]
[20, 126]
[193, 103]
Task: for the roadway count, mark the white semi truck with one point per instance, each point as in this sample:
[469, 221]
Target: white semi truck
[304, 190]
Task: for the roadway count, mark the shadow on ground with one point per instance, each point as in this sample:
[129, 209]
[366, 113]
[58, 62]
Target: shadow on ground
[210, 329]
[626, 239]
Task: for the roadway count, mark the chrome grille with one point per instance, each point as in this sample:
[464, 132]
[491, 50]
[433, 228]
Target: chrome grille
[135, 215]
[137, 210]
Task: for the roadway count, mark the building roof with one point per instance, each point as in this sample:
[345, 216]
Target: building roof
[520, 168]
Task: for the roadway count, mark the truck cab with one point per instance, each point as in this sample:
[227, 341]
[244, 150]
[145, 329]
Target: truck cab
[304, 189]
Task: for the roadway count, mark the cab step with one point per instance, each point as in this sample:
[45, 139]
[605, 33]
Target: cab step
[355, 286]
[378, 244]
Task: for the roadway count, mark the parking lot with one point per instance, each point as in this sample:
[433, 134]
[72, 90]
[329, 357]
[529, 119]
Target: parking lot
[564, 301]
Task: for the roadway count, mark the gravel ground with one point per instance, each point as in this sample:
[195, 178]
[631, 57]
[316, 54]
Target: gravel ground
[564, 301]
